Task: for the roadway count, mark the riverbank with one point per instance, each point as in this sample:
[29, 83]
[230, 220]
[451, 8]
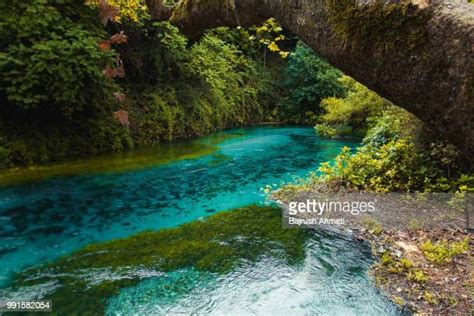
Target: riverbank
[422, 249]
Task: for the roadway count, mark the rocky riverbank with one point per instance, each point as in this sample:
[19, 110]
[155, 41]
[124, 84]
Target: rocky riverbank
[422, 248]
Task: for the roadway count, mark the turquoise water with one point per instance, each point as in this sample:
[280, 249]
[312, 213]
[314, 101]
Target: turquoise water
[43, 220]
[331, 281]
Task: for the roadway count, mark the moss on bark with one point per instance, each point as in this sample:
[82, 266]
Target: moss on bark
[389, 27]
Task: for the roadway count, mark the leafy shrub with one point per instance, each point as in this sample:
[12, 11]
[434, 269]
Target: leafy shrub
[395, 166]
[51, 58]
[56, 100]
[309, 79]
[180, 91]
[174, 88]
[417, 275]
[325, 130]
[443, 251]
[162, 119]
[354, 111]
[391, 160]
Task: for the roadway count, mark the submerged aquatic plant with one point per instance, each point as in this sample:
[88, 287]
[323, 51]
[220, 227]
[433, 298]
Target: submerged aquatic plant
[216, 244]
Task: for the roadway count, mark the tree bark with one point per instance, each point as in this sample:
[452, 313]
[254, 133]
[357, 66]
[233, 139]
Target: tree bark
[419, 56]
[158, 10]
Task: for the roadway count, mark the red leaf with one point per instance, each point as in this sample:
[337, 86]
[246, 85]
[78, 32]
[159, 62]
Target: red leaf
[109, 72]
[122, 117]
[104, 45]
[107, 12]
[120, 97]
[119, 38]
[119, 72]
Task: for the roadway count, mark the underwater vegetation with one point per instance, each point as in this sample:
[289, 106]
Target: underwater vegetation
[140, 158]
[215, 244]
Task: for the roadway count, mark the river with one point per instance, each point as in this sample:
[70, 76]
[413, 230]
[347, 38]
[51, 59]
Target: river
[42, 220]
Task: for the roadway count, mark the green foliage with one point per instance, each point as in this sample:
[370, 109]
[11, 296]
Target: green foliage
[179, 91]
[403, 265]
[51, 61]
[443, 251]
[216, 244]
[130, 11]
[269, 34]
[159, 120]
[390, 160]
[56, 101]
[359, 106]
[397, 155]
[395, 166]
[309, 79]
[241, 38]
[388, 127]
[417, 276]
[326, 130]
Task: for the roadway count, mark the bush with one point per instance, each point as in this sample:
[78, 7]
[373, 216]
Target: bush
[58, 103]
[309, 79]
[162, 119]
[56, 100]
[442, 251]
[325, 130]
[51, 60]
[395, 166]
[215, 85]
[391, 160]
[355, 111]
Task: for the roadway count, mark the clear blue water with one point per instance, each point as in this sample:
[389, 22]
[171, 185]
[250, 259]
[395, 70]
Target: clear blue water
[44, 220]
[331, 281]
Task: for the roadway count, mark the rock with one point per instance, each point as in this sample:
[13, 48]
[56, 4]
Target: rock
[397, 253]
[407, 248]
